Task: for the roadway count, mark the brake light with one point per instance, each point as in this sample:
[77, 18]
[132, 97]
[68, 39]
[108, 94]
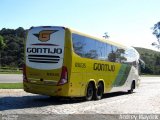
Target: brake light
[24, 74]
[64, 76]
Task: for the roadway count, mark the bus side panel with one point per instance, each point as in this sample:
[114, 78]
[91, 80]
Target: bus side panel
[85, 70]
[111, 77]
[122, 75]
[133, 75]
[126, 75]
[77, 76]
[119, 84]
[75, 84]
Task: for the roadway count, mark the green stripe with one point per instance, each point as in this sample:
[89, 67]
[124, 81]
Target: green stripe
[122, 75]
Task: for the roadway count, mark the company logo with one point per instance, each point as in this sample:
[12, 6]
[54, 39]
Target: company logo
[44, 35]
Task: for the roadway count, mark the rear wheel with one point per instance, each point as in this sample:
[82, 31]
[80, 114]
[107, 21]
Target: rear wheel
[90, 91]
[99, 92]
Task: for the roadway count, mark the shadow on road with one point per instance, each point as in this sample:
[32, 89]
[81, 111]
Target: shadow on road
[10, 103]
[115, 94]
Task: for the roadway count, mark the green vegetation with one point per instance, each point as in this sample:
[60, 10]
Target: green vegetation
[11, 85]
[12, 47]
[10, 72]
[150, 75]
[151, 59]
[156, 32]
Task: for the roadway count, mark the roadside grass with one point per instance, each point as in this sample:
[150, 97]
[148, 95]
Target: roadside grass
[149, 75]
[11, 85]
[8, 70]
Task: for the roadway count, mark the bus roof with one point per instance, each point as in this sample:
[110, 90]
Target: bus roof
[99, 39]
[84, 34]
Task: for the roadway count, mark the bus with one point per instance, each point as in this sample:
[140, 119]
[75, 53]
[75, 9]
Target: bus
[62, 62]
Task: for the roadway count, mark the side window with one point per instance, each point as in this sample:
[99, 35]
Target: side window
[104, 53]
[90, 50]
[108, 52]
[129, 54]
[114, 49]
[93, 49]
[101, 50]
[112, 53]
[78, 44]
[85, 47]
[120, 57]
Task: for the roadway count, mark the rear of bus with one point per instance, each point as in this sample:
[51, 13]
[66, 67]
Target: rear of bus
[45, 71]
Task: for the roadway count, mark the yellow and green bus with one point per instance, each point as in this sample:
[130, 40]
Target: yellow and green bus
[62, 62]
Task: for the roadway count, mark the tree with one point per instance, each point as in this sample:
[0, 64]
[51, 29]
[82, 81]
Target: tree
[106, 35]
[13, 52]
[1, 43]
[20, 32]
[156, 32]
[1, 47]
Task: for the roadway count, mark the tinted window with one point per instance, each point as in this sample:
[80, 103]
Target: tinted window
[120, 55]
[93, 49]
[78, 44]
[102, 52]
[90, 48]
[132, 57]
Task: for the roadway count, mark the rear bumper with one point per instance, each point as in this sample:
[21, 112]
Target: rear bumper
[49, 90]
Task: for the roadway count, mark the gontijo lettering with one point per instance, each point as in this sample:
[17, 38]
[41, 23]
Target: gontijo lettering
[44, 50]
[103, 67]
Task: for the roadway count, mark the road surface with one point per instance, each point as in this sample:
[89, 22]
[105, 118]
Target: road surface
[145, 100]
[10, 78]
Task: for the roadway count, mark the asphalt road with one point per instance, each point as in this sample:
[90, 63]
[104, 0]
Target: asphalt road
[145, 100]
[11, 78]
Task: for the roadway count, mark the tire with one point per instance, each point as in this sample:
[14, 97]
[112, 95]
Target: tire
[90, 92]
[132, 88]
[99, 91]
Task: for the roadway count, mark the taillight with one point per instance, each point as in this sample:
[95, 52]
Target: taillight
[24, 74]
[64, 76]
